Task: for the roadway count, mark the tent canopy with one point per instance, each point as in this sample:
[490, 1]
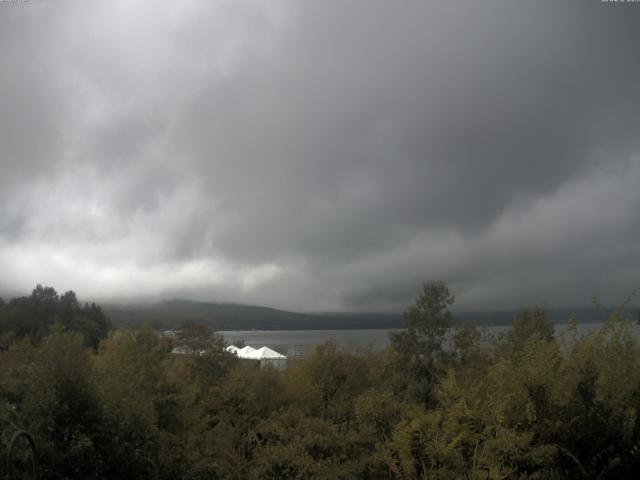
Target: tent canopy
[245, 351]
[265, 353]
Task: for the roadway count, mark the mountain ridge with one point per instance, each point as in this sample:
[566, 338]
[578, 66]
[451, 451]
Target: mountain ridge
[169, 314]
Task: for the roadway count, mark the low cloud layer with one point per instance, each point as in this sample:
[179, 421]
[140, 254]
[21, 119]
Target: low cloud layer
[321, 155]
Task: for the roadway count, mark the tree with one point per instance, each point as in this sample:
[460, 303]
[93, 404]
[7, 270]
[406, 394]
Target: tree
[234, 408]
[421, 346]
[466, 343]
[35, 315]
[146, 406]
[208, 360]
[327, 382]
[530, 325]
[48, 390]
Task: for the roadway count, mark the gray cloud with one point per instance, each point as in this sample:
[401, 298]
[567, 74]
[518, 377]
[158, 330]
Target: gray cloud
[321, 155]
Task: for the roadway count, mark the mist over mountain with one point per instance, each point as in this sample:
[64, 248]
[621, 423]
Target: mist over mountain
[169, 314]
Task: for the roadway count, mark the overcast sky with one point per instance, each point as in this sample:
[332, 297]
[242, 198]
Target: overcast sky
[321, 155]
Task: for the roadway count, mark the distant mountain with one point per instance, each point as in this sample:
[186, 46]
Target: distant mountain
[170, 314]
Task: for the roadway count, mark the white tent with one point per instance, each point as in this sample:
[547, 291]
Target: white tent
[245, 352]
[264, 353]
[232, 349]
[266, 356]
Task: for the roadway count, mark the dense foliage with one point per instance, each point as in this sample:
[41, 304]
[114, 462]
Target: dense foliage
[439, 403]
[35, 315]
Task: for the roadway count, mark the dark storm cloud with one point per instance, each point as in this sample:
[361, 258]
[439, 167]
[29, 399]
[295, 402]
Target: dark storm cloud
[322, 155]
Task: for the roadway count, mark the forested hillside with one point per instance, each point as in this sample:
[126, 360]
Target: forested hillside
[526, 404]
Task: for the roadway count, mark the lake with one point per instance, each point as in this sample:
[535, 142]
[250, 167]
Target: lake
[299, 342]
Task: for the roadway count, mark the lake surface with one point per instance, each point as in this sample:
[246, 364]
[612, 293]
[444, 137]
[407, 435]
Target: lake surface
[299, 342]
